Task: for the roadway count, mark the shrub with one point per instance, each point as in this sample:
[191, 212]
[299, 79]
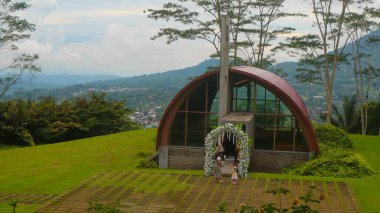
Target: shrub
[332, 136]
[299, 205]
[146, 163]
[336, 163]
[104, 208]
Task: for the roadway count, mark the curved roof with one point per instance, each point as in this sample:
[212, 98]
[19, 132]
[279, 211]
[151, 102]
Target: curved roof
[282, 89]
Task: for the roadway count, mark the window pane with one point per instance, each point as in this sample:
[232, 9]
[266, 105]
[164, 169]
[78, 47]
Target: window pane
[284, 109]
[301, 144]
[260, 92]
[260, 106]
[285, 121]
[270, 96]
[269, 122]
[195, 129]
[263, 133]
[196, 101]
[215, 106]
[212, 122]
[177, 130]
[183, 106]
[241, 106]
[271, 107]
[284, 139]
[241, 92]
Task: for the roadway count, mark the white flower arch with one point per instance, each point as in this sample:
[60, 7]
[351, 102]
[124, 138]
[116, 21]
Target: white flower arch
[239, 136]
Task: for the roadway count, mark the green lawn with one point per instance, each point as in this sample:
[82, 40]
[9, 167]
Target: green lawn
[367, 190]
[56, 168]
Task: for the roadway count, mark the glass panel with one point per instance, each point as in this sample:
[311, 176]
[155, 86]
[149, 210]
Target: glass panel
[285, 121]
[212, 96]
[301, 144]
[271, 107]
[260, 92]
[284, 109]
[241, 94]
[263, 134]
[212, 122]
[284, 133]
[214, 106]
[196, 101]
[284, 140]
[183, 106]
[270, 96]
[195, 129]
[241, 106]
[260, 106]
[269, 122]
[177, 130]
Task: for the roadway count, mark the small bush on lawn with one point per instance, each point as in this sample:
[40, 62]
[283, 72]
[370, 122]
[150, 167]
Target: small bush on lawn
[104, 208]
[299, 205]
[332, 136]
[335, 163]
[146, 163]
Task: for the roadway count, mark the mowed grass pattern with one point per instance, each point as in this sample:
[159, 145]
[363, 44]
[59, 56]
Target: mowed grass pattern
[164, 193]
[57, 169]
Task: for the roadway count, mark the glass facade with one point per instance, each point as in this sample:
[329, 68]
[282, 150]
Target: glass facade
[275, 128]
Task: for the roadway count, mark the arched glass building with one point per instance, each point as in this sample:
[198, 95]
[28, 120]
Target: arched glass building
[269, 109]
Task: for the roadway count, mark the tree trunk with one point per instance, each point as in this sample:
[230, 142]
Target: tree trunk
[329, 106]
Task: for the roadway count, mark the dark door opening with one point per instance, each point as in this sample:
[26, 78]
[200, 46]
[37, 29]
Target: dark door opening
[230, 148]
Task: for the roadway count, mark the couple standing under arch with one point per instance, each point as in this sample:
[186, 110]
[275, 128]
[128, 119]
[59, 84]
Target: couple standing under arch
[227, 159]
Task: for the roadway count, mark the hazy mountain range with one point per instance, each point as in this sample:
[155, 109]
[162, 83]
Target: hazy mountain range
[158, 89]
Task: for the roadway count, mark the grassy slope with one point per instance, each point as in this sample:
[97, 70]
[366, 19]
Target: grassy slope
[54, 168]
[366, 190]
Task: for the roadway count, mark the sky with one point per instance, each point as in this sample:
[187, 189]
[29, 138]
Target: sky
[113, 37]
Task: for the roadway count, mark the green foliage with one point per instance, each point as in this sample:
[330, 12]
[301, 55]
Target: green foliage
[337, 157]
[348, 117]
[104, 208]
[222, 207]
[13, 30]
[373, 127]
[334, 163]
[13, 204]
[332, 136]
[26, 123]
[299, 205]
[146, 163]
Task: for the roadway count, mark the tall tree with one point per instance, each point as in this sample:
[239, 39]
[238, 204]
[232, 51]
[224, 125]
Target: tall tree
[12, 30]
[260, 32]
[248, 18]
[321, 53]
[357, 25]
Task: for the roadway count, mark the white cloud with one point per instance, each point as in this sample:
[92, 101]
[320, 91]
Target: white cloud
[97, 36]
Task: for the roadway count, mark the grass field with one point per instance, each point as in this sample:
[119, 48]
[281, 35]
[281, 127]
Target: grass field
[367, 190]
[57, 168]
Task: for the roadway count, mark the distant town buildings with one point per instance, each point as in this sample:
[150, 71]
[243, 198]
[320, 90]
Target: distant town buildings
[149, 119]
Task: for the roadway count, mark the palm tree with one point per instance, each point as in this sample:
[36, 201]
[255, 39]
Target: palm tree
[348, 117]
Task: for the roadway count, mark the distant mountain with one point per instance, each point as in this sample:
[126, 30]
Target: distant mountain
[43, 81]
[175, 78]
[148, 90]
[144, 91]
